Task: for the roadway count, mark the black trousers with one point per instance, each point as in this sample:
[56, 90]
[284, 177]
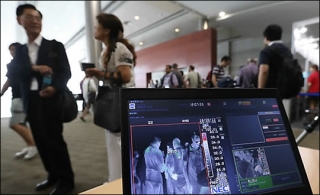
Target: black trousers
[47, 132]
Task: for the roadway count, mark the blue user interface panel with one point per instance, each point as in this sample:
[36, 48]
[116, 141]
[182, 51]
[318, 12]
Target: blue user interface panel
[220, 146]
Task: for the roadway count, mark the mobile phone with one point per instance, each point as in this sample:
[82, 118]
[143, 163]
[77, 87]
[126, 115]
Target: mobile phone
[46, 81]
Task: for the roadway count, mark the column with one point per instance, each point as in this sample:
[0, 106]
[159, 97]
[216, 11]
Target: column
[94, 47]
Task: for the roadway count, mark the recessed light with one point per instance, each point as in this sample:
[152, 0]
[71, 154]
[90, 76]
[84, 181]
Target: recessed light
[221, 14]
[177, 30]
[141, 43]
[136, 17]
[205, 25]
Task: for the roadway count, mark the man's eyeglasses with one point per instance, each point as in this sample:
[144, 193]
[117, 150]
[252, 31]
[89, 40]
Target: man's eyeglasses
[31, 18]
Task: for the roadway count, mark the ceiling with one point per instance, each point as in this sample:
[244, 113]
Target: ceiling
[159, 19]
[248, 18]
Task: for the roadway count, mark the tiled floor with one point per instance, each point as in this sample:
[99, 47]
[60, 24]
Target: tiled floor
[86, 144]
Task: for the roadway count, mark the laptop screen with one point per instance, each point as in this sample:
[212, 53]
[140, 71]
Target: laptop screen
[209, 146]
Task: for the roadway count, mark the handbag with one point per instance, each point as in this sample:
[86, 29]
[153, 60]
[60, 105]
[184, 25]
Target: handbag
[66, 105]
[106, 107]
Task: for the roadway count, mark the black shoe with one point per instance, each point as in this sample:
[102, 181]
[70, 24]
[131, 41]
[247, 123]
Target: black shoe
[82, 119]
[45, 184]
[62, 189]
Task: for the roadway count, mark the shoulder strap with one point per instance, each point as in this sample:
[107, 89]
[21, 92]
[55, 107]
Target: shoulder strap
[89, 85]
[171, 79]
[52, 45]
[277, 51]
[199, 80]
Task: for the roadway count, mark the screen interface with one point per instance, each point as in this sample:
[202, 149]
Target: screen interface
[220, 146]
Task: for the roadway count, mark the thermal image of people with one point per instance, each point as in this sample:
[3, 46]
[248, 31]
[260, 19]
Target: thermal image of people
[155, 166]
[169, 162]
[180, 180]
[195, 163]
[248, 164]
[137, 180]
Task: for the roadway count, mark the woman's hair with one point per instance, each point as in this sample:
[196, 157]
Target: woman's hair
[113, 23]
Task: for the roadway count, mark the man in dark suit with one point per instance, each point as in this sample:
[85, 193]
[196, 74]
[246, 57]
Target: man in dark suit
[32, 62]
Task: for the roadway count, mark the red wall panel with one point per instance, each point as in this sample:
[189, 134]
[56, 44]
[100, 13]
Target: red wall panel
[198, 49]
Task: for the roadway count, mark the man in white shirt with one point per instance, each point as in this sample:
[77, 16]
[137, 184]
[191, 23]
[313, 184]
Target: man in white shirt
[35, 61]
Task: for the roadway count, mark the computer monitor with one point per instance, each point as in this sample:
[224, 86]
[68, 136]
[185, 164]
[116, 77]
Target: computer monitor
[208, 141]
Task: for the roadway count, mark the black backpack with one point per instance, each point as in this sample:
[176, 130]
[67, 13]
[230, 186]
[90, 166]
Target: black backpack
[227, 82]
[179, 77]
[290, 79]
[162, 80]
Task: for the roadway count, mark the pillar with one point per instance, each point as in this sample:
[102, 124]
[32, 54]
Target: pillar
[94, 47]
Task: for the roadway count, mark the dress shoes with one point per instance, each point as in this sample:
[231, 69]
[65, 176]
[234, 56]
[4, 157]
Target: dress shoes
[62, 189]
[45, 184]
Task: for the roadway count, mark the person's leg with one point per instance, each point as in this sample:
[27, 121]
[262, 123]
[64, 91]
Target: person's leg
[113, 144]
[25, 133]
[16, 123]
[312, 104]
[47, 131]
[313, 108]
[58, 149]
[85, 111]
[38, 128]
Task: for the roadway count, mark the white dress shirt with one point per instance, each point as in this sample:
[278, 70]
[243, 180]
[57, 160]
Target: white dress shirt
[33, 48]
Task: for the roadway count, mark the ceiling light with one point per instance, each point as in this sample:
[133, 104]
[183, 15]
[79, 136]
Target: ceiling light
[224, 17]
[136, 17]
[303, 30]
[205, 25]
[141, 43]
[177, 29]
[221, 14]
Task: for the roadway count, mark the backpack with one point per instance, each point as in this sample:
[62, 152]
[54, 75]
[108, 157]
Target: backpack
[179, 77]
[227, 82]
[170, 80]
[290, 78]
[208, 83]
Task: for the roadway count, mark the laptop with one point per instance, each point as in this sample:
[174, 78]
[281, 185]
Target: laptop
[208, 141]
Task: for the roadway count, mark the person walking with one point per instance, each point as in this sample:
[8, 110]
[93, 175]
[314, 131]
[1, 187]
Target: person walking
[32, 63]
[89, 91]
[18, 118]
